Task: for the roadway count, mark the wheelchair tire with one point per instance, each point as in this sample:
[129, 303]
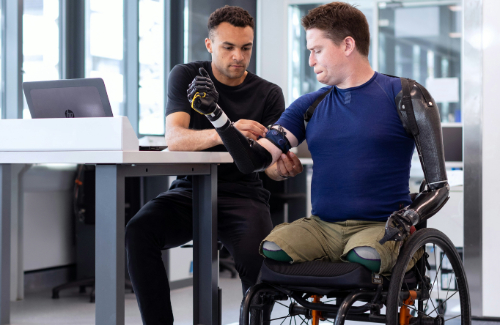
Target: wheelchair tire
[452, 268]
[261, 306]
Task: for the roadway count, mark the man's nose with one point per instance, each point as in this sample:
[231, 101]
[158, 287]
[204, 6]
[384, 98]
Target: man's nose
[312, 60]
[238, 55]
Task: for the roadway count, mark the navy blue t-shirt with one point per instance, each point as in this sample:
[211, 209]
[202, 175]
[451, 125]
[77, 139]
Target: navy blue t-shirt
[360, 150]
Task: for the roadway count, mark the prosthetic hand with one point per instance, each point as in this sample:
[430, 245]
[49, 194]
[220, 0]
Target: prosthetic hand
[400, 224]
[202, 94]
[249, 156]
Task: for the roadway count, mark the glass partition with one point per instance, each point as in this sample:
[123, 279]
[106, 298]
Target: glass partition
[426, 50]
[151, 67]
[104, 48]
[403, 43]
[41, 48]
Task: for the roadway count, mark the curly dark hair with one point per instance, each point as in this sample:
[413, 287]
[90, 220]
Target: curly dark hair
[339, 20]
[236, 16]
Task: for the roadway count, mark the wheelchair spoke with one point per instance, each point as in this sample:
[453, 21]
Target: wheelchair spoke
[447, 292]
[415, 309]
[435, 278]
[444, 301]
[280, 318]
[453, 317]
[282, 304]
[303, 320]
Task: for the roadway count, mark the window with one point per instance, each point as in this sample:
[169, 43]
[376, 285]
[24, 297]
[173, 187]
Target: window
[41, 48]
[151, 67]
[104, 48]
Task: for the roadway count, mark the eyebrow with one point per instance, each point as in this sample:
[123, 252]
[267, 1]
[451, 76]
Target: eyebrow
[231, 44]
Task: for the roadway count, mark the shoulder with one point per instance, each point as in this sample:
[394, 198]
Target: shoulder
[390, 84]
[307, 100]
[188, 70]
[256, 81]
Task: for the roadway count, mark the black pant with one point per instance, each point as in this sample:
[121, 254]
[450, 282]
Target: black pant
[166, 222]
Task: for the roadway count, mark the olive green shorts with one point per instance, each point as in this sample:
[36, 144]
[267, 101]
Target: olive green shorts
[311, 239]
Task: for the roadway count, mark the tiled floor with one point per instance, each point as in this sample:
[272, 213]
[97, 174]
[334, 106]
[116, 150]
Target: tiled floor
[75, 309]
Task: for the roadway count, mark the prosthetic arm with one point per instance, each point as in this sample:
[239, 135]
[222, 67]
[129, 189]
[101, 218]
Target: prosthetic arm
[420, 117]
[248, 154]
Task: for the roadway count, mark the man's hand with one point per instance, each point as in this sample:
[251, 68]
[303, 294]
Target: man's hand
[287, 166]
[202, 94]
[400, 225]
[251, 129]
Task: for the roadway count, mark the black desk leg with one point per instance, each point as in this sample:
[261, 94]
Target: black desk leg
[5, 201]
[110, 245]
[205, 258]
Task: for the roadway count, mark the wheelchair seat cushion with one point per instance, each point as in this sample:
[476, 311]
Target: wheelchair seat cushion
[317, 274]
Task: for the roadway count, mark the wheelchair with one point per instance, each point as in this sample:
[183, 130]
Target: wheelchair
[433, 291]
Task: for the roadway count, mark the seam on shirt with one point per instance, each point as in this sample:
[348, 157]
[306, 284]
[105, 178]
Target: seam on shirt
[392, 100]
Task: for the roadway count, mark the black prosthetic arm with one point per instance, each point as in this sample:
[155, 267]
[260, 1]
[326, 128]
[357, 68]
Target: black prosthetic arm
[249, 156]
[420, 117]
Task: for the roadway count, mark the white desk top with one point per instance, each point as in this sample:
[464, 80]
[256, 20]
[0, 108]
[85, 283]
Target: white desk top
[114, 157]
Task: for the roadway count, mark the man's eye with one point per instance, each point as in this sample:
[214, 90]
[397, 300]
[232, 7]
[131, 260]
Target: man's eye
[317, 51]
[247, 48]
[228, 48]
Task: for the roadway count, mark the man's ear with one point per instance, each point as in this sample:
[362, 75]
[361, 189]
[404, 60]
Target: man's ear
[208, 45]
[350, 45]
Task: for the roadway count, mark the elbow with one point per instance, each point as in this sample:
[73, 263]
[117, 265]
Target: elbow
[171, 143]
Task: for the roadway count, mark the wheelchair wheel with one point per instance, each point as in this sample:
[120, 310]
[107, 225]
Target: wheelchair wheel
[268, 307]
[442, 294]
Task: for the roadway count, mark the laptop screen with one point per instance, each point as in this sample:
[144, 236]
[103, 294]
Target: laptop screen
[67, 98]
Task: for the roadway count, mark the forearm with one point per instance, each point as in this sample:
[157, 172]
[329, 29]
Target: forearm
[183, 139]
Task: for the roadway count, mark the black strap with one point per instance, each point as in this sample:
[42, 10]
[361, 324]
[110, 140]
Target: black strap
[310, 111]
[407, 106]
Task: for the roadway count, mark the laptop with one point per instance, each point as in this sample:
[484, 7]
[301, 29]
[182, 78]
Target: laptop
[67, 98]
[70, 98]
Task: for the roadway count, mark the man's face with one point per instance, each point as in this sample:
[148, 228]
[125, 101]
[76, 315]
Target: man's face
[231, 49]
[327, 59]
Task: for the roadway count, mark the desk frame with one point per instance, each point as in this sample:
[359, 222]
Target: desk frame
[110, 238]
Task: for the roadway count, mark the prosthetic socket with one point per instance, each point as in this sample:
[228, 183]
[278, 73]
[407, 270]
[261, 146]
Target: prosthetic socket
[420, 117]
[249, 156]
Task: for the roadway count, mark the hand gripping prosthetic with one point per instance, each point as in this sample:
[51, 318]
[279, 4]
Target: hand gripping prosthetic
[248, 155]
[420, 117]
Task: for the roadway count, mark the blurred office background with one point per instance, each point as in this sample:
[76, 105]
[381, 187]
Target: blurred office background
[446, 45]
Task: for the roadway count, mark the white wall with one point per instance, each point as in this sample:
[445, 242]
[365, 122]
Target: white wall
[491, 157]
[47, 224]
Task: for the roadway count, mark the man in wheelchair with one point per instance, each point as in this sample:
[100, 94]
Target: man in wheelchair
[361, 129]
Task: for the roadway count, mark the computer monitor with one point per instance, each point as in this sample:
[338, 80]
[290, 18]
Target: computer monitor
[452, 141]
[67, 98]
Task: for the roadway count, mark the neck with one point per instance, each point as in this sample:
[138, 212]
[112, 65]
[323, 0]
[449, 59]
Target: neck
[223, 79]
[360, 73]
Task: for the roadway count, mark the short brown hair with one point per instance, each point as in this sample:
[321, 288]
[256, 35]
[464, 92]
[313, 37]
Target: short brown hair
[236, 16]
[339, 20]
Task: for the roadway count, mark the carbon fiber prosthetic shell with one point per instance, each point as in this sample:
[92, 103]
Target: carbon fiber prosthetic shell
[426, 130]
[248, 155]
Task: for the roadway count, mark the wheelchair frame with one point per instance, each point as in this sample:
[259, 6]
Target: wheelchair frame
[253, 308]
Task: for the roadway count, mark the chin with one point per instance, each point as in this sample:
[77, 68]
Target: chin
[235, 74]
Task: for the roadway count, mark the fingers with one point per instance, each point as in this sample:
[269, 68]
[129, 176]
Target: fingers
[204, 72]
[289, 165]
[297, 165]
[251, 126]
[249, 135]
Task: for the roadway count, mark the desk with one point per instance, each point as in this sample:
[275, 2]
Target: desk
[111, 169]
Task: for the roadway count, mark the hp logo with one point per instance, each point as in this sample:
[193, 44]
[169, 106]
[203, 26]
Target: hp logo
[69, 113]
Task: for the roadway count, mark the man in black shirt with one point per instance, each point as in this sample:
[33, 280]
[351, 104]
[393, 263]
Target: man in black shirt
[243, 210]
